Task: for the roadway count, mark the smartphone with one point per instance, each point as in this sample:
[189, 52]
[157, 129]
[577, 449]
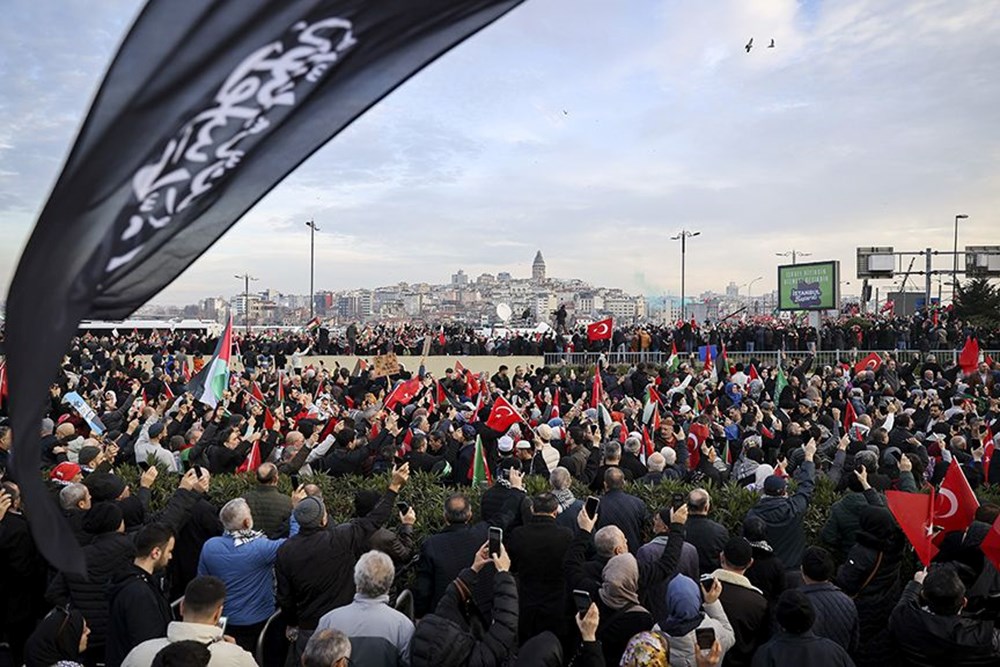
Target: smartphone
[295, 480]
[402, 507]
[222, 623]
[705, 638]
[707, 581]
[593, 502]
[198, 472]
[582, 601]
[496, 537]
[677, 500]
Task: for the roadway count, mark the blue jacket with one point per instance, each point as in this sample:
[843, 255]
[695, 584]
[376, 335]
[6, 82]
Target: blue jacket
[247, 571]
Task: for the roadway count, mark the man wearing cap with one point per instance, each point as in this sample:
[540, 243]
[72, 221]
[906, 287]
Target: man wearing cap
[744, 604]
[314, 568]
[796, 644]
[784, 515]
[65, 474]
[152, 452]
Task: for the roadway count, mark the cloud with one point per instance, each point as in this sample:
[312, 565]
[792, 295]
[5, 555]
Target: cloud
[594, 134]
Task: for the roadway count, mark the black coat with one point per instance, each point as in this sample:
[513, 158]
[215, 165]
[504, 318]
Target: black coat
[709, 538]
[921, 638]
[747, 611]
[203, 523]
[444, 638]
[784, 517]
[315, 569]
[138, 612]
[23, 573]
[536, 552]
[107, 556]
[805, 649]
[442, 557]
[625, 511]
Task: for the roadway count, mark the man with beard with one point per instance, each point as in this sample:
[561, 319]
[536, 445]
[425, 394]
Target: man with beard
[138, 610]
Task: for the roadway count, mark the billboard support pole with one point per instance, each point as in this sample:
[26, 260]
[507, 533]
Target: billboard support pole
[927, 279]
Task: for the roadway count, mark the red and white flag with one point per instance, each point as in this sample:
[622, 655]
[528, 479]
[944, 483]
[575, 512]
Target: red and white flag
[870, 363]
[252, 461]
[914, 514]
[503, 415]
[955, 504]
[991, 544]
[403, 393]
[600, 330]
[597, 389]
[968, 358]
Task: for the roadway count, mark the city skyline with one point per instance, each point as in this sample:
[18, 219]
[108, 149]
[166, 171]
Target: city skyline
[595, 136]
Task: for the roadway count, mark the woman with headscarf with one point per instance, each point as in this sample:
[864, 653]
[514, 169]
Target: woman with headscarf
[621, 614]
[871, 577]
[647, 649]
[686, 614]
[58, 641]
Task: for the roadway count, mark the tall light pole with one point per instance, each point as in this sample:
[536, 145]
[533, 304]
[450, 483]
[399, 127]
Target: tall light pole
[246, 278]
[683, 235]
[794, 254]
[954, 269]
[749, 287]
[312, 265]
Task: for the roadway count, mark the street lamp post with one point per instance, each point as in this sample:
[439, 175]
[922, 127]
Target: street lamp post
[312, 265]
[683, 235]
[750, 287]
[954, 269]
[794, 254]
[246, 278]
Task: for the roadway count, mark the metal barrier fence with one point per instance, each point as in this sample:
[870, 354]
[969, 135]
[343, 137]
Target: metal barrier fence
[770, 358]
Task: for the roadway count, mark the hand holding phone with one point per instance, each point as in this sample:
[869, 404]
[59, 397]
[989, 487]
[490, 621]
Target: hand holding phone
[582, 601]
[496, 538]
[592, 505]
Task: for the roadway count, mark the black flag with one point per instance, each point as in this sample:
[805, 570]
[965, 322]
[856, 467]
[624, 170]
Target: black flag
[205, 108]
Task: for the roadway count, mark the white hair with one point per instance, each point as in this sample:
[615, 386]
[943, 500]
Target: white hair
[656, 462]
[373, 574]
[234, 514]
[72, 495]
[633, 445]
[606, 539]
[325, 648]
[669, 455]
[560, 479]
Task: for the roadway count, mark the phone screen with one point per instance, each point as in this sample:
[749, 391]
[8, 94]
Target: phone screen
[496, 537]
[705, 638]
[582, 601]
[222, 623]
[402, 507]
[707, 581]
[593, 502]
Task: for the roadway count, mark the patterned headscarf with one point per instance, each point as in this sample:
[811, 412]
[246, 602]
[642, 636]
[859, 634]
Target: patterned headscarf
[647, 649]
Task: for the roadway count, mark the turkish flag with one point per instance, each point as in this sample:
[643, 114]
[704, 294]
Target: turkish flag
[870, 363]
[698, 434]
[252, 461]
[753, 374]
[403, 393]
[597, 390]
[600, 330]
[991, 544]
[955, 504]
[968, 358]
[913, 514]
[850, 416]
[988, 448]
[471, 384]
[502, 416]
[555, 404]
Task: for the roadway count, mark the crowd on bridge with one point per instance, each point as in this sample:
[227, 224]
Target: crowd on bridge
[578, 571]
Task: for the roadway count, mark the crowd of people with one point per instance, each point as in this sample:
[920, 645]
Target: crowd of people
[924, 331]
[580, 572]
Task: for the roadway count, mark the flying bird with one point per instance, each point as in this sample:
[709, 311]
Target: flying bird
[771, 45]
[749, 45]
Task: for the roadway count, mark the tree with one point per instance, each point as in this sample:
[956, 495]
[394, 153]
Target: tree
[978, 302]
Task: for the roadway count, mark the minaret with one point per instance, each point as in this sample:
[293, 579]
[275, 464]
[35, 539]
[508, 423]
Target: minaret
[538, 267]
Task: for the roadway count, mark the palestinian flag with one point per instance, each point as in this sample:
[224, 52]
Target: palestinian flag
[674, 361]
[213, 379]
[252, 461]
[722, 365]
[753, 374]
[647, 446]
[479, 472]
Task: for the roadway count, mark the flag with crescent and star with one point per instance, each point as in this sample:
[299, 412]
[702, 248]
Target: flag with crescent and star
[600, 330]
[502, 415]
[914, 514]
[955, 504]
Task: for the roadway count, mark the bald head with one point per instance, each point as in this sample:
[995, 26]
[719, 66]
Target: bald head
[65, 431]
[267, 474]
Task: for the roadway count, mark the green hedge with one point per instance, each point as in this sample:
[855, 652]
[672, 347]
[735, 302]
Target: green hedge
[730, 502]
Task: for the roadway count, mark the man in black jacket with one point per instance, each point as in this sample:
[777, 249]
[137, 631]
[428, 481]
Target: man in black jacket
[621, 509]
[927, 626]
[836, 615]
[537, 550]
[315, 568]
[745, 606]
[137, 608]
[707, 536]
[445, 554]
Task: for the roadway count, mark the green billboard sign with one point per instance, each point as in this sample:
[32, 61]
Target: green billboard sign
[813, 286]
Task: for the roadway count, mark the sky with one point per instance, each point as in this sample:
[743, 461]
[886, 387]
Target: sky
[593, 131]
